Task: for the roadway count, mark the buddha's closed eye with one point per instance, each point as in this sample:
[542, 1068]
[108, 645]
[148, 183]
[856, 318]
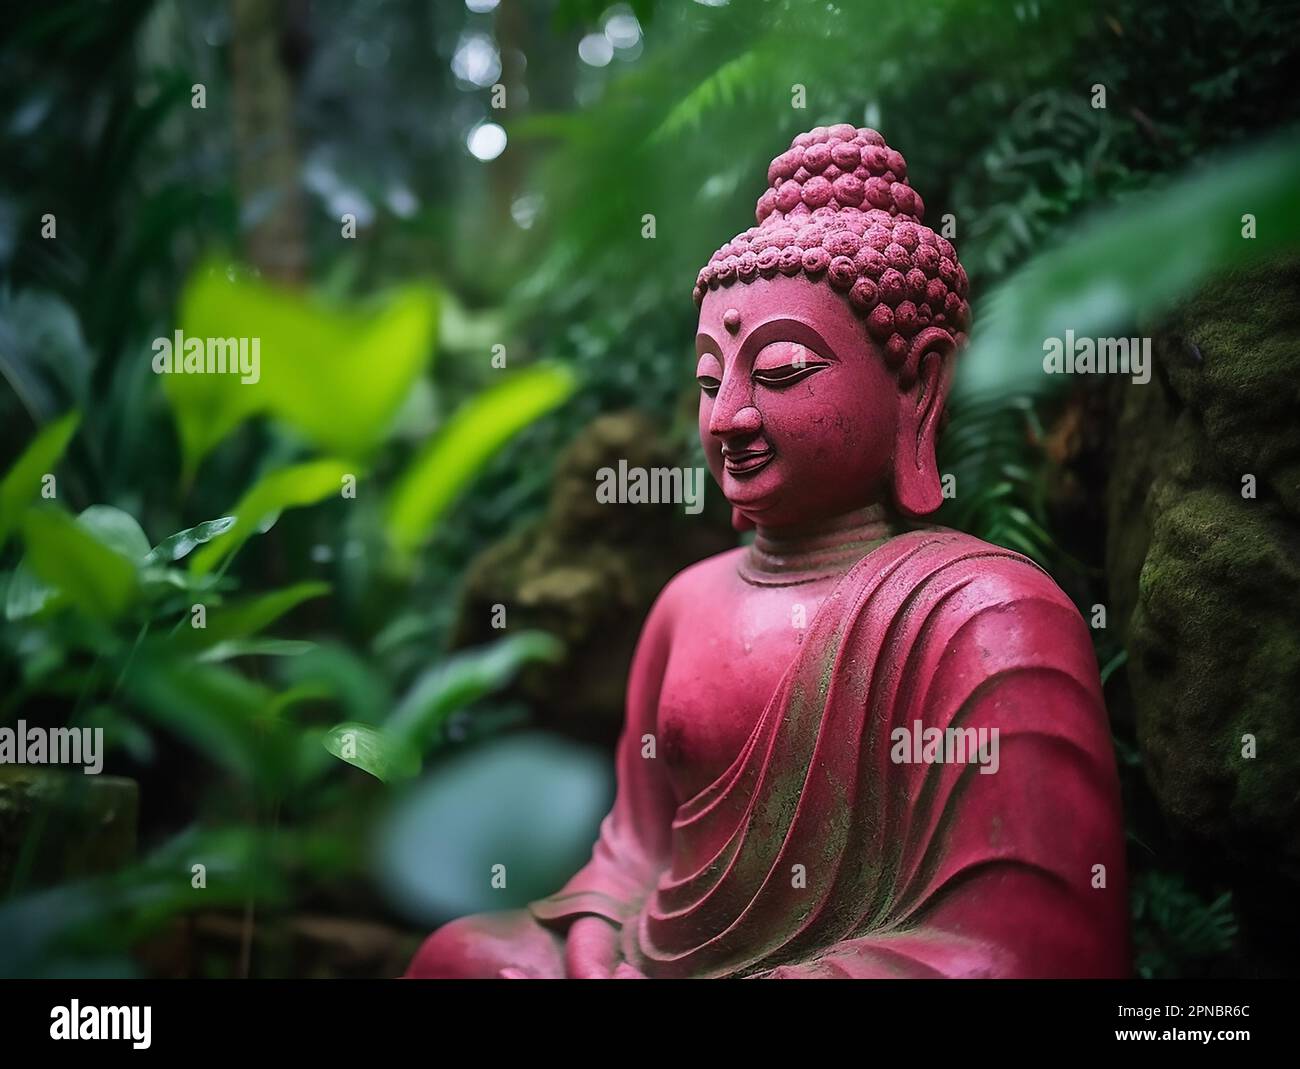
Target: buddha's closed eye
[777, 365]
[709, 374]
[786, 375]
[784, 363]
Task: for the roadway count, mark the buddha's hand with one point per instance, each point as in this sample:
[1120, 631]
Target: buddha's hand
[591, 951]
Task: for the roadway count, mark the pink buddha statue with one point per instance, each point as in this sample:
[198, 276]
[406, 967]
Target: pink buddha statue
[861, 746]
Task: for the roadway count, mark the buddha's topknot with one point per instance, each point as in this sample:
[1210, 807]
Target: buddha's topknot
[838, 207]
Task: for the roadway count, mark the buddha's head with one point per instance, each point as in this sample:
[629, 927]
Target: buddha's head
[826, 338]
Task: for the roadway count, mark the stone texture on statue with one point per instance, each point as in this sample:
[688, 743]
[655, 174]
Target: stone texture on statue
[879, 749]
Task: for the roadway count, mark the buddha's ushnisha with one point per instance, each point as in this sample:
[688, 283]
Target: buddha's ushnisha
[838, 207]
[877, 749]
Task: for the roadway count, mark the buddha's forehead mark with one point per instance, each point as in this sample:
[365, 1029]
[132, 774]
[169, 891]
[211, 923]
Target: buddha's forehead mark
[731, 319]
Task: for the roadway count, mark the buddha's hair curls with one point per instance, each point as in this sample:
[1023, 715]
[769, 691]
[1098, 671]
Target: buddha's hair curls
[838, 208]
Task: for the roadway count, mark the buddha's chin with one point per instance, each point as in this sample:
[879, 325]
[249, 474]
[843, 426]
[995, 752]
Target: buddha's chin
[756, 491]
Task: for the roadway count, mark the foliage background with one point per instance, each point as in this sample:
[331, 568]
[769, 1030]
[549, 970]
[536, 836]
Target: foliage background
[342, 611]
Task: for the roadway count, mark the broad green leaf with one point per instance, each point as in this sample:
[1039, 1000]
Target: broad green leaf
[98, 580]
[459, 450]
[372, 750]
[116, 529]
[292, 487]
[27, 595]
[22, 484]
[246, 616]
[530, 802]
[336, 377]
[463, 679]
[176, 546]
[1132, 261]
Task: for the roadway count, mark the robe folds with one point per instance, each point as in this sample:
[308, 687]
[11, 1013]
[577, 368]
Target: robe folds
[819, 854]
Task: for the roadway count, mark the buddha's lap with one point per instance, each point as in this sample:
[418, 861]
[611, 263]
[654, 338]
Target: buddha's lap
[481, 945]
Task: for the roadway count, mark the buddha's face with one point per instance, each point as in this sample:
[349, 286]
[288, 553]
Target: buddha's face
[798, 413]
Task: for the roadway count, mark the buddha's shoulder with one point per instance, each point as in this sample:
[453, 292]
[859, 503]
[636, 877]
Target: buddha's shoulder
[703, 578]
[698, 585]
[943, 557]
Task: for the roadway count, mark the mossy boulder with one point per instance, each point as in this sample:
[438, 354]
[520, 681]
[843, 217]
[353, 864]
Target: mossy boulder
[62, 825]
[589, 571]
[1203, 562]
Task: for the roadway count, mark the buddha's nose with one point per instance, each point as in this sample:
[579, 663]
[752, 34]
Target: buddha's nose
[728, 421]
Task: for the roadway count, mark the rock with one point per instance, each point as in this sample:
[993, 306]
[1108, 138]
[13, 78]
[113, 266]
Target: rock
[589, 572]
[1208, 580]
[82, 825]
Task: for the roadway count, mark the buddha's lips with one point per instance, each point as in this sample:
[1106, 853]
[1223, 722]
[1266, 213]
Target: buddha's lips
[745, 461]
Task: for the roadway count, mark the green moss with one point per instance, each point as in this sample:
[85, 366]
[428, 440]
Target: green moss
[1209, 580]
[588, 572]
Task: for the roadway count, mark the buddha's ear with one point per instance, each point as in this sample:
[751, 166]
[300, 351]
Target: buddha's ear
[917, 490]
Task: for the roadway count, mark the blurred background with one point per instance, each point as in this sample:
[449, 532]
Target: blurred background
[470, 231]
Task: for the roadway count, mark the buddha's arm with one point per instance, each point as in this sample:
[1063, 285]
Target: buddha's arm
[634, 837]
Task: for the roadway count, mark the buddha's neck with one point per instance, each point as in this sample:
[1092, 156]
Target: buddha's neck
[805, 553]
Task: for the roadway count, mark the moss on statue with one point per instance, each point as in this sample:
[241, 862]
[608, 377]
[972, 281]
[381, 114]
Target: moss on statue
[1207, 577]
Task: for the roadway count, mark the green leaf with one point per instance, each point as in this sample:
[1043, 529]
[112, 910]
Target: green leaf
[176, 546]
[357, 682]
[27, 595]
[1118, 661]
[116, 529]
[454, 456]
[336, 377]
[226, 717]
[22, 484]
[372, 750]
[100, 581]
[255, 647]
[303, 692]
[244, 617]
[486, 803]
[394, 750]
[463, 679]
[1132, 261]
[292, 487]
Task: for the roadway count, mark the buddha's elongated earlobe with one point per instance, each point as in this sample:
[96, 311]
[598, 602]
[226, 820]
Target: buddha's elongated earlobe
[917, 490]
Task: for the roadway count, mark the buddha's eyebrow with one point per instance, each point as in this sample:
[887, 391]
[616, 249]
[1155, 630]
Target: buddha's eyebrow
[785, 328]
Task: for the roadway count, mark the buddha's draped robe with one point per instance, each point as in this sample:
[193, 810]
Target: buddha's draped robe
[817, 854]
